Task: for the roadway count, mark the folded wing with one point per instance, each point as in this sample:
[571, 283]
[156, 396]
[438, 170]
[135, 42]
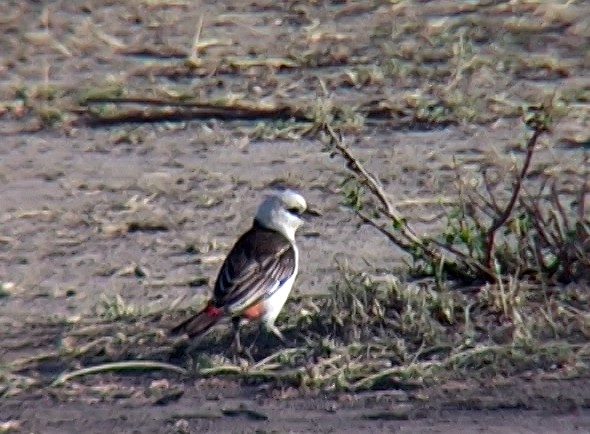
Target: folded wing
[258, 264]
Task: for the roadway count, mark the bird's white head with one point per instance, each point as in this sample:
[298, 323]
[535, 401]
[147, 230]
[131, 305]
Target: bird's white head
[282, 211]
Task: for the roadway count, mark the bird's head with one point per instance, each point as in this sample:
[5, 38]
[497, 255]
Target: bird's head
[284, 211]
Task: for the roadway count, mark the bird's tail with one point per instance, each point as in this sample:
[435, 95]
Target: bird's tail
[199, 323]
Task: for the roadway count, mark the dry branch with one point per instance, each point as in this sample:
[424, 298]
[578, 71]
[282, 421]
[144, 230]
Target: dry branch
[407, 239]
[502, 218]
[155, 109]
[369, 181]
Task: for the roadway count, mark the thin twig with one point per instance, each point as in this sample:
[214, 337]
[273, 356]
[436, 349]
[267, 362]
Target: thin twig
[492, 203]
[390, 236]
[194, 56]
[584, 190]
[427, 201]
[558, 206]
[274, 356]
[502, 218]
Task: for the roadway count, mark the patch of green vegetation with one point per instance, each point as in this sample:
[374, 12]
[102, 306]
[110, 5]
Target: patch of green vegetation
[489, 236]
[115, 308]
[98, 92]
[50, 116]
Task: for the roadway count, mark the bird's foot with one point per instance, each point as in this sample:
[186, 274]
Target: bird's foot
[277, 333]
[238, 352]
[244, 355]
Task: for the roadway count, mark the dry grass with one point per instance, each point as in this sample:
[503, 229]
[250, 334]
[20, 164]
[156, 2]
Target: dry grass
[363, 335]
[448, 64]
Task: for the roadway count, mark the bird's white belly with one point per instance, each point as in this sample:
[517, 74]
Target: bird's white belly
[274, 304]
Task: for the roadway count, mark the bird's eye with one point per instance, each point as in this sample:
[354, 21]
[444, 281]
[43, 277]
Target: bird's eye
[296, 211]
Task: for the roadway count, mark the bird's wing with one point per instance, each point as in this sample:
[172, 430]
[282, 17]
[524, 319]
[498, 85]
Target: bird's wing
[258, 264]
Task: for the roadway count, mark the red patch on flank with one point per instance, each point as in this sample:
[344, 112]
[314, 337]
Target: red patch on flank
[213, 311]
[254, 312]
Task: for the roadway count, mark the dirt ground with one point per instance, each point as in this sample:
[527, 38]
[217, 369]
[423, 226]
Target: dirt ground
[147, 211]
[218, 406]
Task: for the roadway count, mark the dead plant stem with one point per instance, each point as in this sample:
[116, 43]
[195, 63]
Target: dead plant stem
[503, 217]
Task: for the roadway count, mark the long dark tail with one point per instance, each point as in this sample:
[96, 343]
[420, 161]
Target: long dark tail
[199, 323]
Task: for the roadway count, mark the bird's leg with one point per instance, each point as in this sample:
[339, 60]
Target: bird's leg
[275, 331]
[237, 345]
[238, 350]
[255, 340]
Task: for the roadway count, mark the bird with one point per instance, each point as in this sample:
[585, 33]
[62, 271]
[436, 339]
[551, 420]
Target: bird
[258, 273]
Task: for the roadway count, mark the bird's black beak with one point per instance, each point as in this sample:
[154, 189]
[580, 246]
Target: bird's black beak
[310, 213]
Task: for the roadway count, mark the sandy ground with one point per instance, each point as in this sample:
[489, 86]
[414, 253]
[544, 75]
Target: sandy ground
[85, 216]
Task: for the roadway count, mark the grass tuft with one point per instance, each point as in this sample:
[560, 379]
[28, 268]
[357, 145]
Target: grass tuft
[365, 334]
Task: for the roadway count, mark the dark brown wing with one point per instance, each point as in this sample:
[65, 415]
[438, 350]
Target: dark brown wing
[257, 265]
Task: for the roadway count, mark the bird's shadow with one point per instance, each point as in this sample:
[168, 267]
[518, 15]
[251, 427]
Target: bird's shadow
[257, 344]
